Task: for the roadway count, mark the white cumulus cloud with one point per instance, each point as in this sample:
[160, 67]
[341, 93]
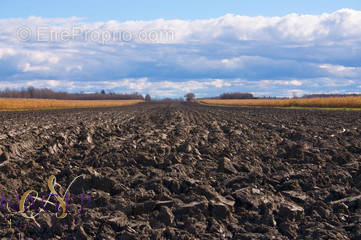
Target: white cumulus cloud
[170, 57]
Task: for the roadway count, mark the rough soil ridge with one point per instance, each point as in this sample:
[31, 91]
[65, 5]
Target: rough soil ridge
[186, 171]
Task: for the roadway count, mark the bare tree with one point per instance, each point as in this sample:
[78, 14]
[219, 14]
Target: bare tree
[190, 97]
[148, 98]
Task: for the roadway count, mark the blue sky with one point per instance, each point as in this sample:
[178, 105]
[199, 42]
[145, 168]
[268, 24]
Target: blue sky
[94, 10]
[168, 48]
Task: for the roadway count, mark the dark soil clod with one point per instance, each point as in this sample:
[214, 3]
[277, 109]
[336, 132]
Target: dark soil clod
[186, 171]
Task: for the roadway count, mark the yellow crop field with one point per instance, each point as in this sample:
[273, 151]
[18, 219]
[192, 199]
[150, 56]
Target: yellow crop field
[331, 102]
[9, 104]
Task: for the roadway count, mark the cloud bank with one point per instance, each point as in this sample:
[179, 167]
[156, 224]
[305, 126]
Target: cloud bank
[167, 58]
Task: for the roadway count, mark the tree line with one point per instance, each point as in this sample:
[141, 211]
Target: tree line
[45, 93]
[236, 95]
[322, 95]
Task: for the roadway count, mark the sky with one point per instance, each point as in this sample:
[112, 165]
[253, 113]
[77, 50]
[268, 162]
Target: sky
[94, 10]
[169, 48]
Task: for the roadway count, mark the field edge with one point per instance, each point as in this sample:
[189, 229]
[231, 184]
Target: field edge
[25, 104]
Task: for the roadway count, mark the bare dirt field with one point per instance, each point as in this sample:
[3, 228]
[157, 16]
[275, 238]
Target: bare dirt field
[185, 171]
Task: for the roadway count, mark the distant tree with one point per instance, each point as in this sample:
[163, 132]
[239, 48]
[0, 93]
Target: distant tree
[148, 98]
[236, 95]
[31, 92]
[102, 92]
[190, 97]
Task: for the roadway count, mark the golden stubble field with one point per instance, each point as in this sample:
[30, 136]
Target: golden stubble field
[332, 102]
[10, 104]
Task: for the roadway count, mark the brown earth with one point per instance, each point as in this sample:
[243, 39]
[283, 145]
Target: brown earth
[186, 171]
